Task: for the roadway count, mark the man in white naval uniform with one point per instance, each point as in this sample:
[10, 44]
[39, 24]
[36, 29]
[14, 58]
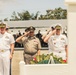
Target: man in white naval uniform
[57, 42]
[6, 43]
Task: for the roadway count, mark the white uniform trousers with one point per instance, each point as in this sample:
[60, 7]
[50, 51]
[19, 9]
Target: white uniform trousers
[4, 63]
[61, 54]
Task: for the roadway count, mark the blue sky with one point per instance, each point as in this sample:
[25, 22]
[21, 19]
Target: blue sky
[8, 6]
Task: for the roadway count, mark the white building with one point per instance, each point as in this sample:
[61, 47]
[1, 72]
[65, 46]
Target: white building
[42, 25]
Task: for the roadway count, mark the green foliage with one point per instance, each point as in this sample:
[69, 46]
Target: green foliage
[35, 16]
[57, 13]
[25, 15]
[14, 17]
[44, 59]
[6, 19]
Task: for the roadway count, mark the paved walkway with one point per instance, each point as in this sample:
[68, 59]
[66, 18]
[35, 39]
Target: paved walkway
[17, 57]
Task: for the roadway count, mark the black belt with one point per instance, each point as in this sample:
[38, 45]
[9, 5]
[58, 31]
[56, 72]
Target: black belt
[30, 53]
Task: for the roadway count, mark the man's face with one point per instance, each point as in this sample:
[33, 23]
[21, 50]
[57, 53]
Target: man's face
[31, 33]
[58, 31]
[2, 29]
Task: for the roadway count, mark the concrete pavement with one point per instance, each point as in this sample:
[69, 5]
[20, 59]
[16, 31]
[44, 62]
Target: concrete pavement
[17, 57]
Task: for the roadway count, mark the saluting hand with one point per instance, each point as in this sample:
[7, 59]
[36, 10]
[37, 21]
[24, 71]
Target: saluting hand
[48, 30]
[54, 31]
[26, 33]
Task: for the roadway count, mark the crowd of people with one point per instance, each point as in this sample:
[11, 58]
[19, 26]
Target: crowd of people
[32, 43]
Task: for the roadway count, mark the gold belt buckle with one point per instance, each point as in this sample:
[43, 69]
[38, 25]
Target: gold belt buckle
[2, 50]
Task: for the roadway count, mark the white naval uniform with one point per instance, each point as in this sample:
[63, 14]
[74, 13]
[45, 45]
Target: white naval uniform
[5, 40]
[57, 45]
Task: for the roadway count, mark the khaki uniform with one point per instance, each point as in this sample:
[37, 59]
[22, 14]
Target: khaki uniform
[31, 47]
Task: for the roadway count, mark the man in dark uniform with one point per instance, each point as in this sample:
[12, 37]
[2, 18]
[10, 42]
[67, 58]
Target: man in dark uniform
[31, 44]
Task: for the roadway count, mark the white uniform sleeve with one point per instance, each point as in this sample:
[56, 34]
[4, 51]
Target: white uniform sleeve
[12, 39]
[66, 40]
[50, 40]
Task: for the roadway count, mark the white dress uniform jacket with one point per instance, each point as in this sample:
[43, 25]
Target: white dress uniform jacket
[57, 45]
[5, 40]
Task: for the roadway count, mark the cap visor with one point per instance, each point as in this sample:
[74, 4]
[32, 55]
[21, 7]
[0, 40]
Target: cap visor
[2, 26]
[58, 27]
